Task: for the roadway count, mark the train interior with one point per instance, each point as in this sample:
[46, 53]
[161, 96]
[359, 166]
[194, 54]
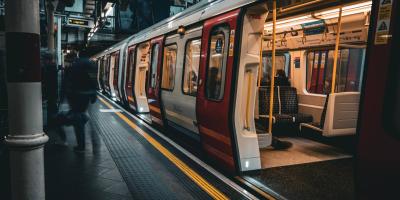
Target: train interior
[315, 124]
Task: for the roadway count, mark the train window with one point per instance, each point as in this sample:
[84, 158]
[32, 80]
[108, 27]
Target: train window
[154, 64]
[130, 67]
[168, 75]
[348, 73]
[191, 69]
[217, 62]
[115, 62]
[282, 63]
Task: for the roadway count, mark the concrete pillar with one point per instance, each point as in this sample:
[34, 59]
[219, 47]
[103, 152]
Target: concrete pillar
[26, 138]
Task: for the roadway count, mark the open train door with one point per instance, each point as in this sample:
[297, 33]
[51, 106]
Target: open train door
[213, 100]
[378, 151]
[154, 80]
[130, 67]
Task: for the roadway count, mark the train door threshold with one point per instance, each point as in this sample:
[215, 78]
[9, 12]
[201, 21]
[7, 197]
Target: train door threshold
[307, 170]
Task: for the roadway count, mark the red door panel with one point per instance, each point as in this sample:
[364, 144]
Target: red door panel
[130, 77]
[378, 149]
[213, 116]
[153, 83]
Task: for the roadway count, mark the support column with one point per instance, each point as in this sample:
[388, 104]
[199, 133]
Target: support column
[59, 53]
[26, 138]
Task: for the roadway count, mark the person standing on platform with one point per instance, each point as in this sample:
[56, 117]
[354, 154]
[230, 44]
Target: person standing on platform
[80, 93]
[50, 86]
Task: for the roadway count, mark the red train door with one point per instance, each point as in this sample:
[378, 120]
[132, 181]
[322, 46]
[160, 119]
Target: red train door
[153, 80]
[213, 100]
[378, 150]
[130, 69]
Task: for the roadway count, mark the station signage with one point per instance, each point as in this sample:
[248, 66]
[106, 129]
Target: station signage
[2, 13]
[382, 28]
[314, 28]
[78, 22]
[2, 8]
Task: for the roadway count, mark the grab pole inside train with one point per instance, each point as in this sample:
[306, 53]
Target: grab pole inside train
[335, 58]
[271, 97]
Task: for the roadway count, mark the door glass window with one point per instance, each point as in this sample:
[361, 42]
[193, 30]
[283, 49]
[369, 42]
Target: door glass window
[191, 69]
[282, 64]
[130, 65]
[154, 64]
[115, 58]
[169, 64]
[216, 72]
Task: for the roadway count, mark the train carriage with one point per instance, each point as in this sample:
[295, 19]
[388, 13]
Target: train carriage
[209, 72]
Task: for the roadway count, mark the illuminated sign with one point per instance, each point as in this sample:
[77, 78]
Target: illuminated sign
[2, 9]
[78, 22]
[314, 28]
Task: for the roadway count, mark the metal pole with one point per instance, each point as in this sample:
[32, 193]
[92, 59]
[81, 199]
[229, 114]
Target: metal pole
[271, 97]
[26, 138]
[50, 27]
[59, 41]
[335, 59]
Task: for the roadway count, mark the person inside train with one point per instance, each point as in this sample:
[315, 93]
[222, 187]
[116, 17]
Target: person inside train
[213, 83]
[281, 79]
[50, 89]
[80, 92]
[193, 82]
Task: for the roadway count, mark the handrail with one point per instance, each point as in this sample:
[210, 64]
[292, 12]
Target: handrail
[335, 59]
[247, 125]
[271, 98]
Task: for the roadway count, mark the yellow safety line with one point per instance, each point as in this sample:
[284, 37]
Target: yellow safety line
[200, 181]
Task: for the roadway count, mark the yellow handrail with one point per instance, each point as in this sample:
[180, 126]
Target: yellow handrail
[335, 59]
[261, 61]
[247, 125]
[271, 98]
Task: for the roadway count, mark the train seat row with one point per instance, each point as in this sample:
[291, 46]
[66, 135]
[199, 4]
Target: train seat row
[285, 108]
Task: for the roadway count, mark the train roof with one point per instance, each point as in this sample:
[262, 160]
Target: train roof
[198, 12]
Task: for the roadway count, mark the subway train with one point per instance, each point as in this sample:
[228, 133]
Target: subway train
[206, 72]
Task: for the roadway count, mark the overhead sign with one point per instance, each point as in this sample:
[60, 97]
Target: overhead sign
[78, 22]
[382, 27]
[314, 28]
[2, 13]
[2, 9]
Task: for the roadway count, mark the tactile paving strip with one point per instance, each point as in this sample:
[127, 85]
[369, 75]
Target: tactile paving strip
[147, 173]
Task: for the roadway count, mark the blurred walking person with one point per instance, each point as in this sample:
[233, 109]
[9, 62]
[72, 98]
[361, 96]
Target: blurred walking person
[80, 93]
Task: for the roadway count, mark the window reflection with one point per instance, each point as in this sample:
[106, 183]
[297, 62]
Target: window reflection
[168, 75]
[191, 70]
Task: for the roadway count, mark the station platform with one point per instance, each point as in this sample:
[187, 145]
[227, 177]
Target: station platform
[125, 159]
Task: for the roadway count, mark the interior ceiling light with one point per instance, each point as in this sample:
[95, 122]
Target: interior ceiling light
[328, 14]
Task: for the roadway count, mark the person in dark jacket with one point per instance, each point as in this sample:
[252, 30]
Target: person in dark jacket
[50, 83]
[80, 93]
[281, 79]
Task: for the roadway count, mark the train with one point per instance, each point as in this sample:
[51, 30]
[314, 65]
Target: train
[206, 72]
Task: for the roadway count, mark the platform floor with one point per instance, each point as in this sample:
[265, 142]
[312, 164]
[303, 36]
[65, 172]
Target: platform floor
[124, 159]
